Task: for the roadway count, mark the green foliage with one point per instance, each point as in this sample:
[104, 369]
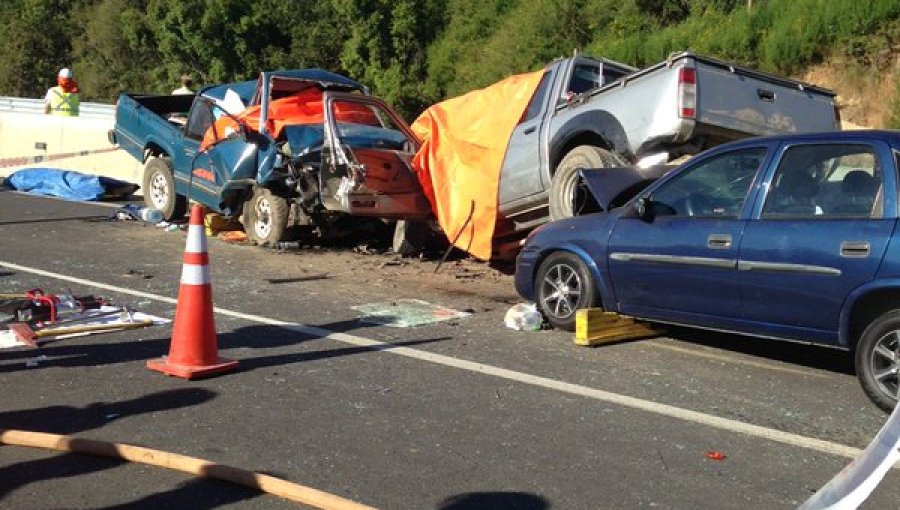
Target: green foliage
[115, 49]
[386, 46]
[37, 35]
[893, 120]
[414, 52]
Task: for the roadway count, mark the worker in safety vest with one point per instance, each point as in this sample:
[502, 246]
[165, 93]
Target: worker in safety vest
[63, 98]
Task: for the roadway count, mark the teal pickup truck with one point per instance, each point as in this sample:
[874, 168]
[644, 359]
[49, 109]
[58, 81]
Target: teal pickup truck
[289, 154]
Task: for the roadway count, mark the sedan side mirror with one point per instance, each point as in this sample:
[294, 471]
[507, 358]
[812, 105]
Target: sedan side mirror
[644, 209]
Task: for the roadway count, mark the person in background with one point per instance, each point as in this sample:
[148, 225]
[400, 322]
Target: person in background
[63, 99]
[186, 83]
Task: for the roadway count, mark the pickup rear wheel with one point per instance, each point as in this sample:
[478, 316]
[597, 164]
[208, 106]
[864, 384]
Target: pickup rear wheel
[564, 285]
[159, 189]
[878, 360]
[266, 217]
[569, 195]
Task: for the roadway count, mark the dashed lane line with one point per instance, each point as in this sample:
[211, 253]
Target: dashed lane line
[729, 425]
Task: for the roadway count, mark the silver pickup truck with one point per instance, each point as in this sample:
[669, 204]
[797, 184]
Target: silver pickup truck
[596, 113]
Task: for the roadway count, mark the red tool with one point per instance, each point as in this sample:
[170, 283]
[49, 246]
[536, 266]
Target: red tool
[41, 307]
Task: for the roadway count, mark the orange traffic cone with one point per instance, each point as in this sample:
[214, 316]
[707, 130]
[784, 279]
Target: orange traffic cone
[193, 351]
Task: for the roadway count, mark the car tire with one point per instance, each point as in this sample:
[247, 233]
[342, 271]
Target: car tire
[564, 284]
[568, 194]
[878, 352]
[266, 217]
[410, 237]
[159, 189]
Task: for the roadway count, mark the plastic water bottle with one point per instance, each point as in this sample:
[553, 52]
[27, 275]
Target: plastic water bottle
[150, 215]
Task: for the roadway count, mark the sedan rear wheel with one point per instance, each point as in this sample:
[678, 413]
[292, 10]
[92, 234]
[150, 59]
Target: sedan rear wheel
[878, 360]
[564, 285]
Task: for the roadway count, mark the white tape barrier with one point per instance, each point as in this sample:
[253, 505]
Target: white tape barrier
[28, 160]
[849, 488]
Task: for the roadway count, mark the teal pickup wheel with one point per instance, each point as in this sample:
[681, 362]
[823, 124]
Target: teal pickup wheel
[266, 217]
[159, 189]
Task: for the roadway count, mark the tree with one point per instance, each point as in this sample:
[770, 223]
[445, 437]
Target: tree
[117, 51]
[386, 47]
[666, 12]
[37, 35]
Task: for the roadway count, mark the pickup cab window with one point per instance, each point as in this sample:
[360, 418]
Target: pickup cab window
[536, 103]
[584, 78]
[826, 181]
[714, 188]
[201, 119]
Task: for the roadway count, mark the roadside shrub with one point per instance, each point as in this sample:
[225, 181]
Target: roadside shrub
[893, 116]
[778, 35]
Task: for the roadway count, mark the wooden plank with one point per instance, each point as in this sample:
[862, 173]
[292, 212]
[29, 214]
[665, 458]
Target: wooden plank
[593, 326]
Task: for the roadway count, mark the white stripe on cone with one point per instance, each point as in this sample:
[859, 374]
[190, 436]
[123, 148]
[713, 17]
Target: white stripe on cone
[196, 239]
[193, 274]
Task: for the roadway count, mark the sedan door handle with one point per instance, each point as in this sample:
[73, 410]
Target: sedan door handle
[855, 249]
[719, 241]
[528, 131]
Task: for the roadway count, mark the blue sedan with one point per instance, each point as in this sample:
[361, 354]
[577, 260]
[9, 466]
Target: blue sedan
[788, 237]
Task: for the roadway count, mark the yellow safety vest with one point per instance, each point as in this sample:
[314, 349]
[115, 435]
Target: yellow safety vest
[64, 103]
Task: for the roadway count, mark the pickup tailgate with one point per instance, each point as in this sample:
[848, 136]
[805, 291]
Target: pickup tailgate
[733, 98]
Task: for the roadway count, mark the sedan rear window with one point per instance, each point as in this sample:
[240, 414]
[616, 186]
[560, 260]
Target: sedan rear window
[826, 181]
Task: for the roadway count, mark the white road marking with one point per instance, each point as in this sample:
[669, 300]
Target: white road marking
[797, 440]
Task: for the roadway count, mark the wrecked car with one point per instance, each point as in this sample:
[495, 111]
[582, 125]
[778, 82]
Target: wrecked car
[298, 148]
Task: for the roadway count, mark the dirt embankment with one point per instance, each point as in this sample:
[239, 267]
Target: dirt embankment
[867, 91]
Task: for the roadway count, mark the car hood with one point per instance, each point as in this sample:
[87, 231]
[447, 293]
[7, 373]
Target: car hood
[614, 186]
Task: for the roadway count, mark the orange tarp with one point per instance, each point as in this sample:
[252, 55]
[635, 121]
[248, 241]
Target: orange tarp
[302, 108]
[458, 165]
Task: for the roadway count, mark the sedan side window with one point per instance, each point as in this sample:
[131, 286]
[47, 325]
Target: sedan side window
[715, 188]
[826, 181]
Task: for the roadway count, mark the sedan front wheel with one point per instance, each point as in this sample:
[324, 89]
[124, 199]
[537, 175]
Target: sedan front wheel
[563, 286]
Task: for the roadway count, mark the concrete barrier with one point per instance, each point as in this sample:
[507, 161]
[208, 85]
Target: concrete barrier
[28, 134]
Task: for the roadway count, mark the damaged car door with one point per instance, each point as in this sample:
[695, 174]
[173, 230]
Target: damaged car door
[367, 160]
[228, 162]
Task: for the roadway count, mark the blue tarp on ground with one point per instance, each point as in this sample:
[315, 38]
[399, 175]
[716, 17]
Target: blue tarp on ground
[67, 184]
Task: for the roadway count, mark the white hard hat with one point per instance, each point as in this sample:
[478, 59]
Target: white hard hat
[65, 72]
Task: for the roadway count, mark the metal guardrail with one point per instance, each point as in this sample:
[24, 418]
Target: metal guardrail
[26, 105]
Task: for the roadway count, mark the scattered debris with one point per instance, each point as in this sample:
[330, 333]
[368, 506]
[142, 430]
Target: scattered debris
[405, 313]
[233, 236]
[312, 277]
[393, 262]
[215, 223]
[33, 362]
[137, 272]
[523, 317]
[36, 315]
[714, 455]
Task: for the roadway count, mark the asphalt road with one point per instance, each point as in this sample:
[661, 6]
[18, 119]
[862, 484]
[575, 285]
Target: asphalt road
[453, 415]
